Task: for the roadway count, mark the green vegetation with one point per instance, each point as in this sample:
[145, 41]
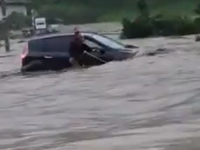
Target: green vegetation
[86, 11]
[17, 21]
[160, 24]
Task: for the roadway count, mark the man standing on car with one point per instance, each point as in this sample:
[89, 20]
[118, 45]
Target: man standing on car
[77, 48]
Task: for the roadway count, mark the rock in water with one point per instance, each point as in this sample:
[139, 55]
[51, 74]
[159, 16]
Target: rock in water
[197, 38]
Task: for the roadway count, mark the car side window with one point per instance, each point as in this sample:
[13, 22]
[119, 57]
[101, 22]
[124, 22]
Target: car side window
[57, 44]
[92, 44]
[36, 45]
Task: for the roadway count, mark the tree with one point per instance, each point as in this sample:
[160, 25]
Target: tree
[143, 8]
[197, 10]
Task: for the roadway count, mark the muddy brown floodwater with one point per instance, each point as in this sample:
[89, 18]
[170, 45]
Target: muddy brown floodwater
[148, 103]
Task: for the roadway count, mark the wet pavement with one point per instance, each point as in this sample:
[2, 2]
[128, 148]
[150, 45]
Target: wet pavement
[148, 103]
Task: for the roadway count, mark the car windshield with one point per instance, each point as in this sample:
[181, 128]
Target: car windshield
[109, 42]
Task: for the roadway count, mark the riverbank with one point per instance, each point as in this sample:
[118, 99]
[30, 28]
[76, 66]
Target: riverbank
[168, 7]
[103, 11]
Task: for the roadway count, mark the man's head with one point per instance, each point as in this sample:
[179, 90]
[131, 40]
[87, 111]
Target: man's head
[77, 35]
[76, 30]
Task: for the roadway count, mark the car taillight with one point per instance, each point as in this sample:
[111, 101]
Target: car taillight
[25, 52]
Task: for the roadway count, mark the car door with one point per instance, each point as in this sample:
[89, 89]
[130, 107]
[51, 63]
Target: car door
[100, 54]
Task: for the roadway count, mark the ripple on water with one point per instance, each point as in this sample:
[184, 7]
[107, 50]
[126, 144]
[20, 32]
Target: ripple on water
[148, 103]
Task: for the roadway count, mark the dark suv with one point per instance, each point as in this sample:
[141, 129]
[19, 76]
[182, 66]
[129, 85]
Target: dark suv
[51, 52]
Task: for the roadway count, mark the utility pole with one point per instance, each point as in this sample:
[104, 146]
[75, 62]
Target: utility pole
[5, 26]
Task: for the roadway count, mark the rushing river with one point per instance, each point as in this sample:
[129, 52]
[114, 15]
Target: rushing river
[148, 103]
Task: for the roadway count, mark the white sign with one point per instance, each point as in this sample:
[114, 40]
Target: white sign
[40, 23]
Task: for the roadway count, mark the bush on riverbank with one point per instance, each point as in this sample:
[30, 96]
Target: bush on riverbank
[146, 25]
[17, 21]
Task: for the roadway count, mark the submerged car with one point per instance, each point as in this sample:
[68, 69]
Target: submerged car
[51, 52]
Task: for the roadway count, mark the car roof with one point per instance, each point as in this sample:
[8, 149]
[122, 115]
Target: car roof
[60, 34]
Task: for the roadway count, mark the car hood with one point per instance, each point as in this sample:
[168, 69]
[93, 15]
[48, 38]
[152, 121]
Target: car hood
[128, 50]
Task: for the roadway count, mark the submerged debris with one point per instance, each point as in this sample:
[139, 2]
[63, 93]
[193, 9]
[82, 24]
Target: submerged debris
[197, 38]
[158, 51]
